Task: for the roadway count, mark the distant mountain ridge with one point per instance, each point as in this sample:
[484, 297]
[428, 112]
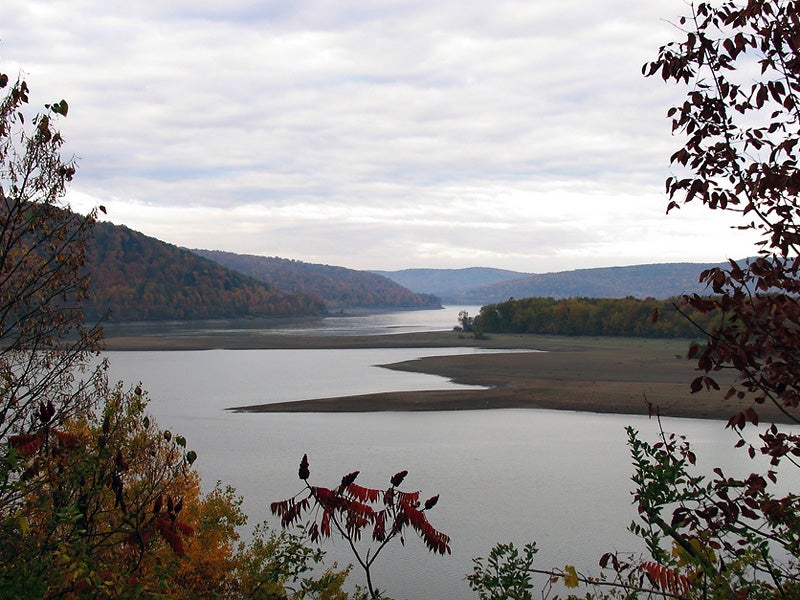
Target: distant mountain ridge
[338, 287]
[450, 282]
[660, 281]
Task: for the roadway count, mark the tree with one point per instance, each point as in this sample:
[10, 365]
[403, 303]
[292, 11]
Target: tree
[740, 154]
[97, 501]
[465, 322]
[44, 343]
[100, 503]
[714, 536]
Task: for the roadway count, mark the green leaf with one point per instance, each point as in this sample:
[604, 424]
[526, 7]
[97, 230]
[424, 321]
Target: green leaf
[570, 577]
[60, 108]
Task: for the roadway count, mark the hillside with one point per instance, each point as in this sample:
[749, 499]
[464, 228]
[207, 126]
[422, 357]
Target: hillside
[639, 281]
[449, 282]
[140, 278]
[337, 286]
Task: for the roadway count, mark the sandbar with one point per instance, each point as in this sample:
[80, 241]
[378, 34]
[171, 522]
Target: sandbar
[600, 374]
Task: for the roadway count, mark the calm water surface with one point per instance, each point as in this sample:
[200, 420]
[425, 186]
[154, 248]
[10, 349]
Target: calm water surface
[559, 478]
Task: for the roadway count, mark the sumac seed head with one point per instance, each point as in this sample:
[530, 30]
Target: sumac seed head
[349, 478]
[304, 472]
[397, 479]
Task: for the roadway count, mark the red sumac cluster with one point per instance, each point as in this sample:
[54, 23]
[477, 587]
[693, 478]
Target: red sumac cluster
[351, 509]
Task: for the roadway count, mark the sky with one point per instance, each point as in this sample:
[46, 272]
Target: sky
[380, 135]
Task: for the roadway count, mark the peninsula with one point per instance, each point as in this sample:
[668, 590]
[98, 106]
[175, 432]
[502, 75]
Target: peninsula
[599, 374]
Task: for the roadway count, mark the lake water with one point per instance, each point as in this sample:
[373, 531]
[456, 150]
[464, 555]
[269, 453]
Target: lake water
[353, 322]
[560, 478]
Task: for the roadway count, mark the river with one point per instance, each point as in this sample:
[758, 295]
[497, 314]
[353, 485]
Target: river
[559, 478]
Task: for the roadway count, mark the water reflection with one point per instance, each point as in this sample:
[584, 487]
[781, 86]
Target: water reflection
[350, 322]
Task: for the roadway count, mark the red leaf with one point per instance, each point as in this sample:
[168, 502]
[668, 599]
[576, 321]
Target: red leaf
[325, 524]
[363, 494]
[408, 498]
[184, 528]
[27, 444]
[667, 579]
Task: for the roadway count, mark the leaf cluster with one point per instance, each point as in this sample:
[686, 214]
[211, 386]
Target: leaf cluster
[351, 510]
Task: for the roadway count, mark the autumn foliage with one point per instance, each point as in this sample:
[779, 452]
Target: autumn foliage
[337, 286]
[96, 500]
[351, 511]
[138, 278]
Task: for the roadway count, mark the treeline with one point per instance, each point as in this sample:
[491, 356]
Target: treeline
[592, 316]
[337, 286]
[138, 278]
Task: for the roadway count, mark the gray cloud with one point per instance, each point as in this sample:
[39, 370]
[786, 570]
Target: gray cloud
[382, 134]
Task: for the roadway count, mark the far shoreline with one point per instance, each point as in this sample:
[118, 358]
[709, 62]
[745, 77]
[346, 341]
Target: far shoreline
[587, 374]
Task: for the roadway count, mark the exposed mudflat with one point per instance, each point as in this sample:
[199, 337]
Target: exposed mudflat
[616, 375]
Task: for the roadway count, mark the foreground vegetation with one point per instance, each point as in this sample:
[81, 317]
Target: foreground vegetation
[96, 501]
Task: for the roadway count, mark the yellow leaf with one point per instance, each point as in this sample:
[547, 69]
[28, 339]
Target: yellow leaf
[685, 559]
[570, 577]
[23, 525]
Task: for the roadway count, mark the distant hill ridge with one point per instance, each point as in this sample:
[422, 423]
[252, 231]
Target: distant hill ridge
[134, 277]
[661, 281]
[336, 286]
[450, 282]
[137, 277]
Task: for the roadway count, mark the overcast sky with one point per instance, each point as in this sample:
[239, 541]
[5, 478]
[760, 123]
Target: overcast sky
[372, 134]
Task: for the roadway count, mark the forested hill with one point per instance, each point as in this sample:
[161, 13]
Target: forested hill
[639, 281]
[139, 278]
[337, 286]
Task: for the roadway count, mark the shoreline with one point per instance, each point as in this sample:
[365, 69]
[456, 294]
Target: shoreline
[602, 374]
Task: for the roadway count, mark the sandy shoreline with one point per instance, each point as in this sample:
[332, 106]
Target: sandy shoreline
[612, 375]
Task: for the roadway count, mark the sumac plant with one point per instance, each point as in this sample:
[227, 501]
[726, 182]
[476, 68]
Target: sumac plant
[353, 511]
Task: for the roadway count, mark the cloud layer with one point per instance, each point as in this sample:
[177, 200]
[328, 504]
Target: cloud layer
[382, 135]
